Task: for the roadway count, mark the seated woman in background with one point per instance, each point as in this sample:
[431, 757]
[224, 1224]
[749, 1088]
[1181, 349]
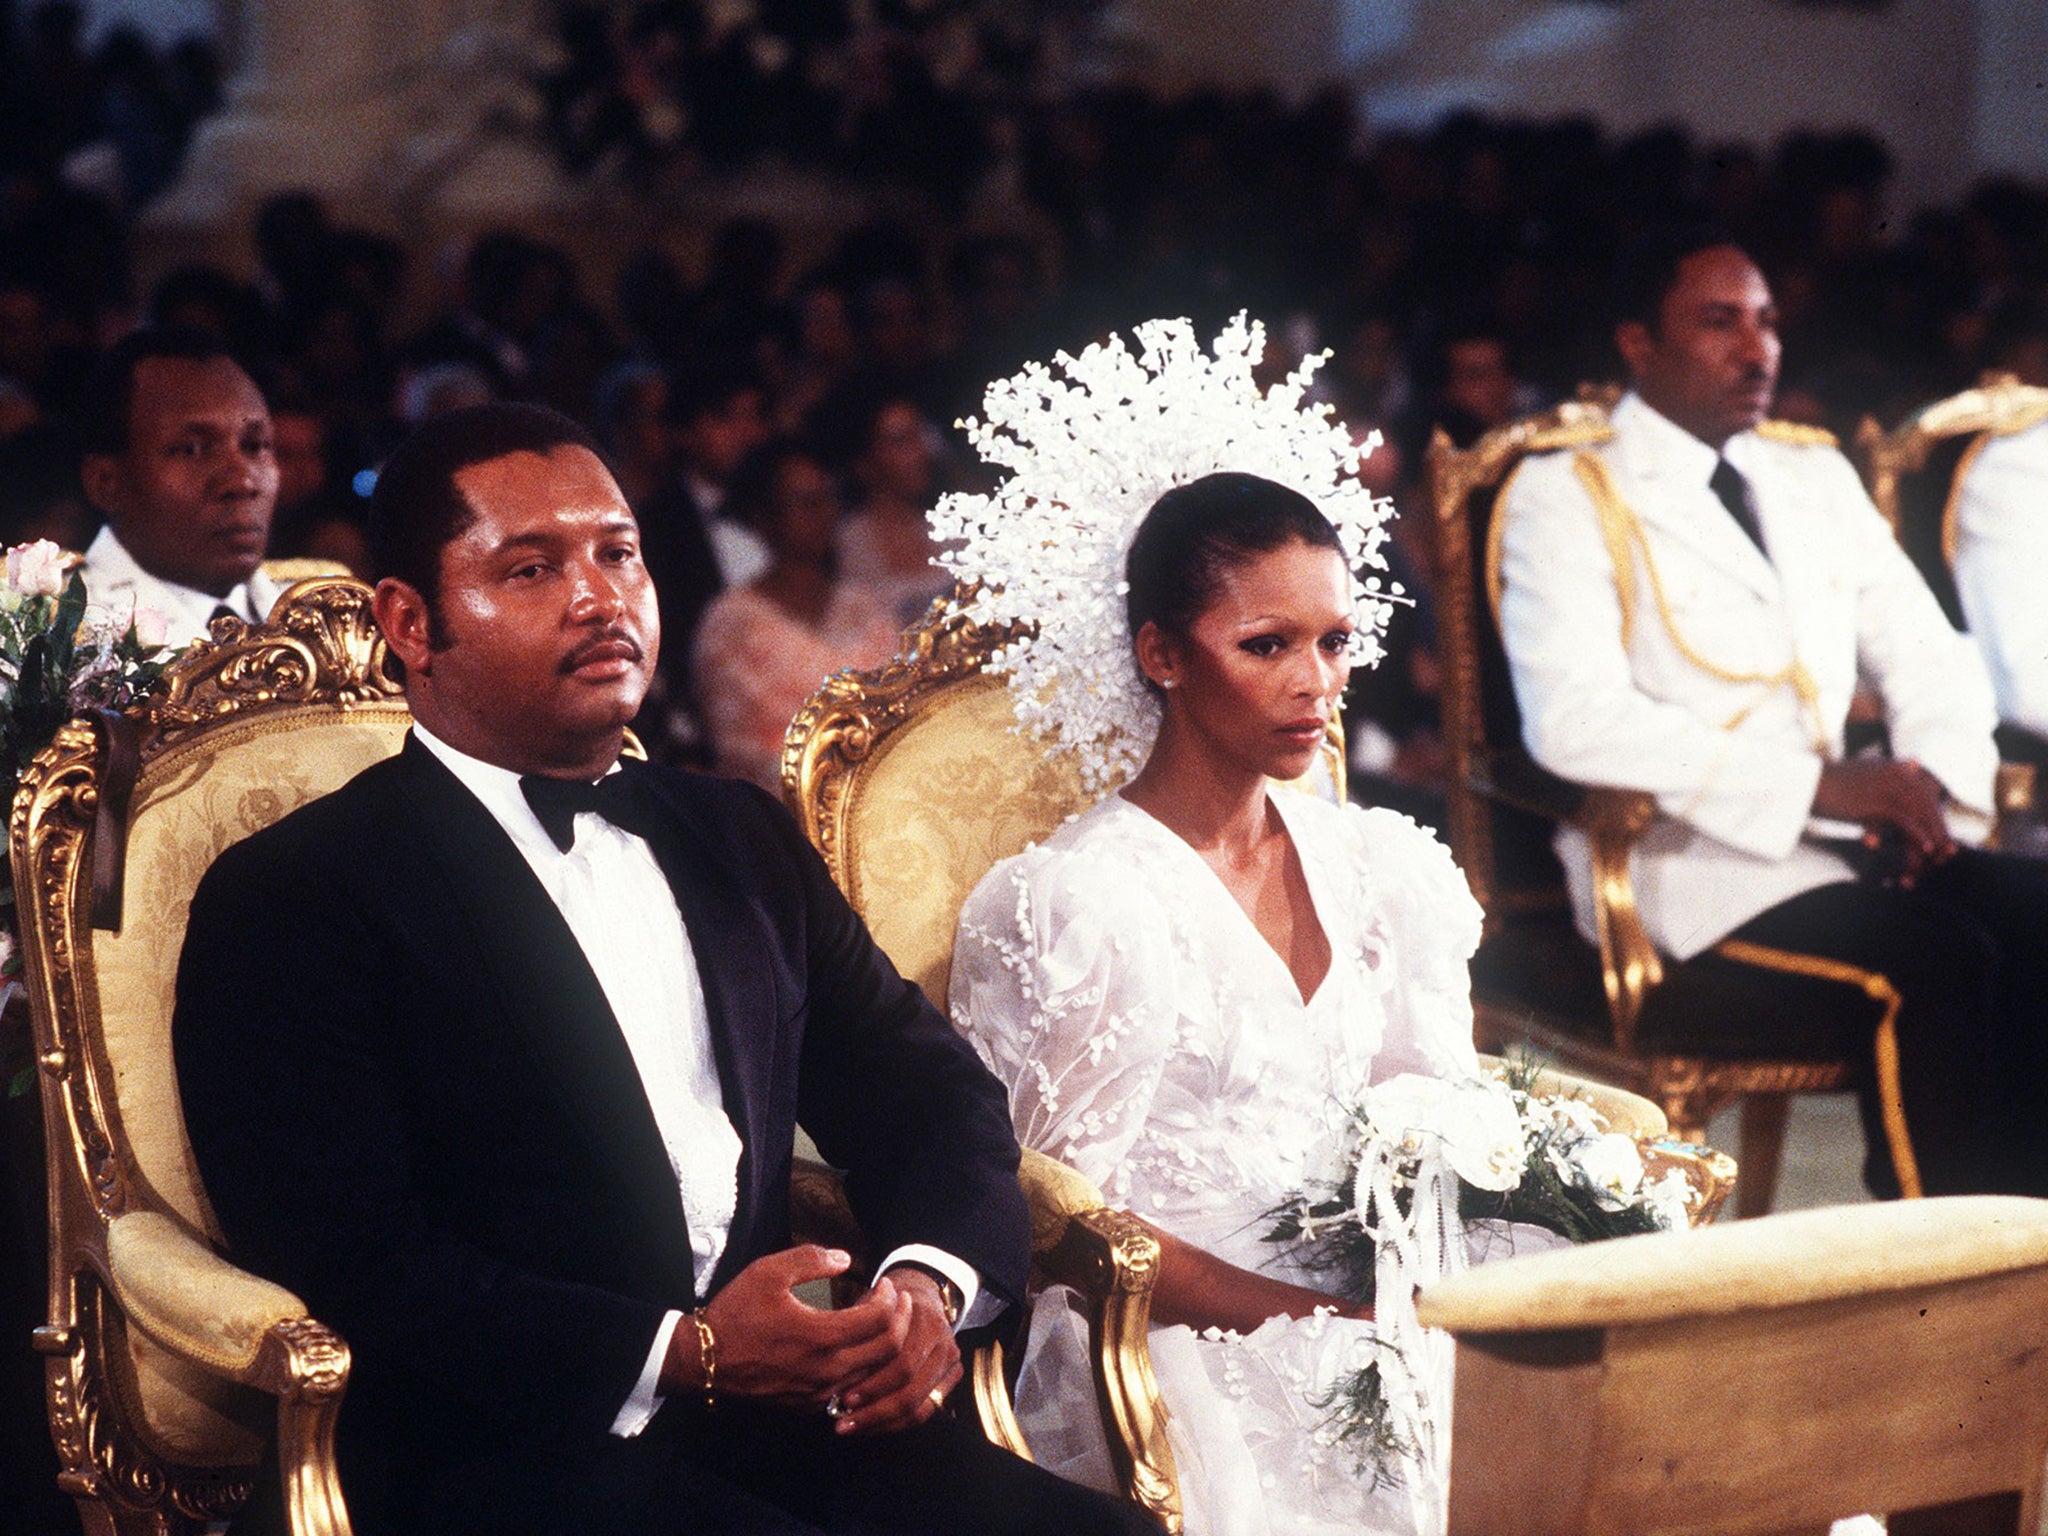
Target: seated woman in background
[1181, 988]
[762, 649]
[885, 543]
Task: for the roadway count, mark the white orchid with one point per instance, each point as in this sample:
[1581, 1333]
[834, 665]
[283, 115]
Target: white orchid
[1476, 1122]
[1611, 1166]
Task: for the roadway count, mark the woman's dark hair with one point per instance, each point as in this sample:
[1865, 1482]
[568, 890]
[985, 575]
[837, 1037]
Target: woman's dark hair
[1197, 531]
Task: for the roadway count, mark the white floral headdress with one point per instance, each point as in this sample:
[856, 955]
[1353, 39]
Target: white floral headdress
[1090, 443]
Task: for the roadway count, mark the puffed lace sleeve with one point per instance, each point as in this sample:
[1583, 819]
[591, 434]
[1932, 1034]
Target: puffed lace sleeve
[1062, 979]
[1432, 924]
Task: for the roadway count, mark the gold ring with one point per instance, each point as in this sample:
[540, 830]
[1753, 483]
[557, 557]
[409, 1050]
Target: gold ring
[937, 1396]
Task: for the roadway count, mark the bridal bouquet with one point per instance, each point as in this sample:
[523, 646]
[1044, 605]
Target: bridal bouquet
[1426, 1170]
[59, 658]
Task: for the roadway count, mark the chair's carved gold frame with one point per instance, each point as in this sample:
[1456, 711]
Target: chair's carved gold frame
[1688, 1088]
[1999, 406]
[64, 836]
[1106, 1255]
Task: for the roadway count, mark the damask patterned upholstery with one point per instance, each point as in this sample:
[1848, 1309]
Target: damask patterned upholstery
[170, 1370]
[939, 805]
[189, 805]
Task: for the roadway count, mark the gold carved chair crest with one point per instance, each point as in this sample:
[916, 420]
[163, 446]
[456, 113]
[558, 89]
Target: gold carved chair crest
[169, 1370]
[1690, 1037]
[1915, 475]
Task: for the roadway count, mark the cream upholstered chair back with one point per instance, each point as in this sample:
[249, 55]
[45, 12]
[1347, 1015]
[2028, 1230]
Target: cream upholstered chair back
[158, 1425]
[914, 782]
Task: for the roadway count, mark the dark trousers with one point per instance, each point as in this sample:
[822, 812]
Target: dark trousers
[746, 1469]
[1967, 949]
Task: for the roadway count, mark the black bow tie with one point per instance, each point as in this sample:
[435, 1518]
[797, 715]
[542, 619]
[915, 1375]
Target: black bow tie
[556, 801]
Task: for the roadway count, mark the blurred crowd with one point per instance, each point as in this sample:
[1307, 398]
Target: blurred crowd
[782, 423]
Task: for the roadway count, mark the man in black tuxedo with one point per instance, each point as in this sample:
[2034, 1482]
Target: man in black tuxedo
[495, 1054]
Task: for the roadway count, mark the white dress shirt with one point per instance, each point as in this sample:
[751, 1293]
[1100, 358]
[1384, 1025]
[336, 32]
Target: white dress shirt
[617, 902]
[2001, 557]
[116, 581]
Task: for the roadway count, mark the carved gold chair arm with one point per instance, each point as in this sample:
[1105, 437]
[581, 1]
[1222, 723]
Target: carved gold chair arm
[1112, 1260]
[200, 1307]
[1629, 1113]
[1709, 1175]
[1613, 821]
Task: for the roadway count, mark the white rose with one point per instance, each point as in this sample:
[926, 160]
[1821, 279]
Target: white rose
[152, 629]
[1611, 1166]
[36, 570]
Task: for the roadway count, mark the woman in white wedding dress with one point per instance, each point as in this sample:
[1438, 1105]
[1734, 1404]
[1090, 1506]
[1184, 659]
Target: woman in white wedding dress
[1185, 987]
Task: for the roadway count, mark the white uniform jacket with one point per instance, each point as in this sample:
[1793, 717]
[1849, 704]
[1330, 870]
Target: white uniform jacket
[115, 581]
[2001, 562]
[1730, 738]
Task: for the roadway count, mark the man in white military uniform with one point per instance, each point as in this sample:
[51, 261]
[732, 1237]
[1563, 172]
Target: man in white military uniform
[1687, 610]
[179, 457]
[2001, 555]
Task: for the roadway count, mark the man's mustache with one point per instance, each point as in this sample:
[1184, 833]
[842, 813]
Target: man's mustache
[600, 642]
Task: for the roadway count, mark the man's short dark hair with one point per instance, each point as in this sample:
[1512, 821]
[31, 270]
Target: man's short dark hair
[416, 511]
[1649, 270]
[106, 413]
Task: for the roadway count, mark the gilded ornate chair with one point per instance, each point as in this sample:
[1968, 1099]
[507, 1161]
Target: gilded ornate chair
[169, 1370]
[1690, 1037]
[1762, 1376]
[1914, 474]
[912, 783]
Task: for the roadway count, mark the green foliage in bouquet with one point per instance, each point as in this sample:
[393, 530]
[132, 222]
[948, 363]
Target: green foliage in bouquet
[59, 658]
[1576, 1180]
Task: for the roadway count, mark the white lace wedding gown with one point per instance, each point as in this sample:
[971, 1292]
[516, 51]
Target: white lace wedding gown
[1152, 1039]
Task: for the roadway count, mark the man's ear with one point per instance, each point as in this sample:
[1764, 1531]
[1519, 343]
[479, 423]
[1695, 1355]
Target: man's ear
[100, 474]
[401, 613]
[1158, 654]
[1632, 339]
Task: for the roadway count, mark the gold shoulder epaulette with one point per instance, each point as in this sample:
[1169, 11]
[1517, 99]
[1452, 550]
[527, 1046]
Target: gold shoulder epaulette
[1798, 434]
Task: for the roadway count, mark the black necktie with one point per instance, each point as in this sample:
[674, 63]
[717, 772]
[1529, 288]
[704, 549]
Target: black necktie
[1728, 484]
[222, 611]
[556, 801]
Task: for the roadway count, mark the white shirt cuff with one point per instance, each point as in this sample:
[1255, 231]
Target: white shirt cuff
[638, 1412]
[977, 1304]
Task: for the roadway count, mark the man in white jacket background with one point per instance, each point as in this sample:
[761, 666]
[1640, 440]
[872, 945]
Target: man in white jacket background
[2001, 555]
[1688, 610]
[179, 458]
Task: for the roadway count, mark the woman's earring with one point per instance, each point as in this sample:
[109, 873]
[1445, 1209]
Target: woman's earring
[1169, 682]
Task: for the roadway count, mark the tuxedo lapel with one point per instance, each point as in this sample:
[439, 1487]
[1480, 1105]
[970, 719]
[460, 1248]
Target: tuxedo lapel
[527, 956]
[726, 938]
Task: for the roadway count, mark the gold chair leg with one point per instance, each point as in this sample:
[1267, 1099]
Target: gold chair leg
[992, 1400]
[306, 1364]
[1763, 1151]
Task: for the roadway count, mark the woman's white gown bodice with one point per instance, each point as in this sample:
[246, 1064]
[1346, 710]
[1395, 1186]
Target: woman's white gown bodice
[1153, 1040]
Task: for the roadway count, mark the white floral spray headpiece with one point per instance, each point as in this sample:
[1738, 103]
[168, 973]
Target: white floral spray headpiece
[1089, 447]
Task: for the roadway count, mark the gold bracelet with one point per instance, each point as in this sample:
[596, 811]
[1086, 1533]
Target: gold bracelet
[707, 1352]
